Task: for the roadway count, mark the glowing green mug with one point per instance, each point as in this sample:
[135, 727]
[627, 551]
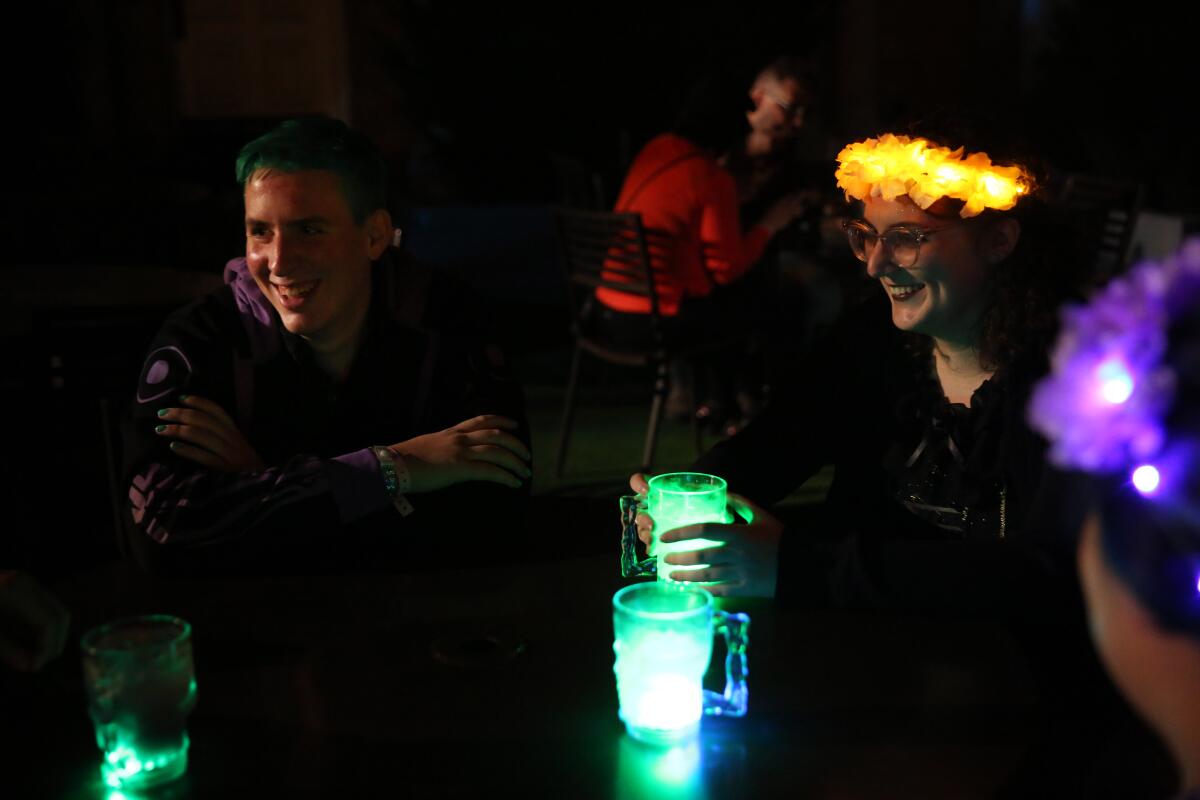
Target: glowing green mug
[674, 499]
[663, 634]
[141, 687]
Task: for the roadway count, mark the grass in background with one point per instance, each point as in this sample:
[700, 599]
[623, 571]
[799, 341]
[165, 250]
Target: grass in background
[610, 425]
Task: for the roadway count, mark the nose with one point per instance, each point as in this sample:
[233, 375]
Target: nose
[278, 255]
[880, 263]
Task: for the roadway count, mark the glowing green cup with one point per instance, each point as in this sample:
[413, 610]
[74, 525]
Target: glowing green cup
[674, 499]
[141, 688]
[663, 643]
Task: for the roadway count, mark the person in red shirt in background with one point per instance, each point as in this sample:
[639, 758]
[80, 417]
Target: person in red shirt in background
[682, 185]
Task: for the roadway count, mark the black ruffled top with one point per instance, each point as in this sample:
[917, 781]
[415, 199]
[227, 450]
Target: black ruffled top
[945, 464]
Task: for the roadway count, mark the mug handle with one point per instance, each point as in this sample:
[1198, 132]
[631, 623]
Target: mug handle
[631, 504]
[736, 699]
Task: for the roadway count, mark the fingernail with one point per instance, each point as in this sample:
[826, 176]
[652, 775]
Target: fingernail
[159, 428]
[184, 397]
[174, 445]
[162, 412]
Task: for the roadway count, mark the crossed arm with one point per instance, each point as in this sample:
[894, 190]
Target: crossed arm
[482, 448]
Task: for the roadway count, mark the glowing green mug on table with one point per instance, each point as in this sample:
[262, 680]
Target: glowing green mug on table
[663, 634]
[674, 499]
[141, 687]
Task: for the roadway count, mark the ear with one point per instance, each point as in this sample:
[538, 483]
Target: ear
[378, 226]
[1000, 239]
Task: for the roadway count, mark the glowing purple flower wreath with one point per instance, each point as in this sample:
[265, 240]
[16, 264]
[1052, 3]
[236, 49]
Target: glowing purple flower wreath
[1103, 404]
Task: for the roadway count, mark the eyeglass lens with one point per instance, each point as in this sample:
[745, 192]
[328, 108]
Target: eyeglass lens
[903, 245]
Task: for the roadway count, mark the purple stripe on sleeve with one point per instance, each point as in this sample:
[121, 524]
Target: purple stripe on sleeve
[198, 506]
[357, 484]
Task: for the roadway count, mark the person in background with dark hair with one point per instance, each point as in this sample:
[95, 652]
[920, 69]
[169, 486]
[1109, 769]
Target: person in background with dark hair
[689, 203]
[917, 400]
[1122, 412]
[321, 409]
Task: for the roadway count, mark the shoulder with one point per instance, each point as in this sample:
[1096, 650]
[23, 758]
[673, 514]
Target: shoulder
[200, 339]
[188, 343]
[667, 148]
[211, 321]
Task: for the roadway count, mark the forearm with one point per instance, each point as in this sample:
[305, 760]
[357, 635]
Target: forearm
[185, 507]
[728, 250]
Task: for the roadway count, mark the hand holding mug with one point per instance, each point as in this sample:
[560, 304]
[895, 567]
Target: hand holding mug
[745, 561]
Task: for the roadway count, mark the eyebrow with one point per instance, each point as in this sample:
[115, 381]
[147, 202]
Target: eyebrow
[893, 226]
[291, 223]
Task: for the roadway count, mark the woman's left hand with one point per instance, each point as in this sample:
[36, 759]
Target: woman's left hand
[746, 563]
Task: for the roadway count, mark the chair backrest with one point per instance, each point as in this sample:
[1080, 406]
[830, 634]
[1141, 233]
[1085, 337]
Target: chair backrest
[604, 249]
[1107, 212]
[578, 185]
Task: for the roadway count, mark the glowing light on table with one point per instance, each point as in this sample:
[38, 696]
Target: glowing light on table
[659, 684]
[660, 773]
[141, 688]
[663, 641]
[123, 767]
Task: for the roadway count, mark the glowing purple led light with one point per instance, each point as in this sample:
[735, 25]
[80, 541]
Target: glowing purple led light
[1116, 384]
[1146, 479]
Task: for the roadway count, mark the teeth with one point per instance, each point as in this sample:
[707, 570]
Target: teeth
[901, 292]
[296, 289]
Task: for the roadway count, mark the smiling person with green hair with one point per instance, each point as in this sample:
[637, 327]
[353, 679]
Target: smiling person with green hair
[327, 406]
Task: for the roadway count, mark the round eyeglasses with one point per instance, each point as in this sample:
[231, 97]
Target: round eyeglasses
[903, 243]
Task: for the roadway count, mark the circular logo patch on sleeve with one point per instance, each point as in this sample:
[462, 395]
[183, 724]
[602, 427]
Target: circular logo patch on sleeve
[166, 370]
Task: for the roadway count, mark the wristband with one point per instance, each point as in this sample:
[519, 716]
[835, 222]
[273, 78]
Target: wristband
[396, 480]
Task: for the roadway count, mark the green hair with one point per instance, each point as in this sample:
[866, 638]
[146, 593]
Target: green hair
[324, 144]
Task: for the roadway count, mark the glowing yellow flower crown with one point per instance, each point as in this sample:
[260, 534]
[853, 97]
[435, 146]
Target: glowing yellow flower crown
[891, 166]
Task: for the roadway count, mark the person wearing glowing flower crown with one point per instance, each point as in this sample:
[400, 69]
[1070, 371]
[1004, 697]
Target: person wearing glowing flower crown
[1122, 412]
[916, 400]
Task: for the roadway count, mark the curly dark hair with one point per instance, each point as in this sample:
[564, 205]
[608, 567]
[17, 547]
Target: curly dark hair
[1027, 288]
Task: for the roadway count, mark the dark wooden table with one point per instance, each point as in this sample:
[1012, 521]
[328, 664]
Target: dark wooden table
[499, 682]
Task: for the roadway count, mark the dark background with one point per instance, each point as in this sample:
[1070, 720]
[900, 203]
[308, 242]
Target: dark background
[123, 119]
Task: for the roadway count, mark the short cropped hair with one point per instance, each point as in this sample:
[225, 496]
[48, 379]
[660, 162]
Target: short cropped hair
[319, 143]
[796, 68]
